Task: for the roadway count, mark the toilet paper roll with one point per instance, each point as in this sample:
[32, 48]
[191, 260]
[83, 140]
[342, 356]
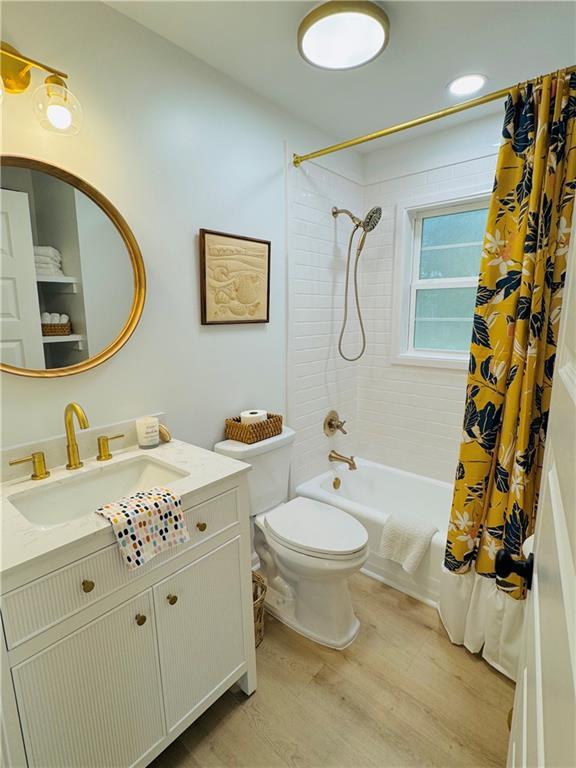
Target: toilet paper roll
[255, 416]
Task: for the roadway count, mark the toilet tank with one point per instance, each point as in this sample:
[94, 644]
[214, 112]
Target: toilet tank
[270, 460]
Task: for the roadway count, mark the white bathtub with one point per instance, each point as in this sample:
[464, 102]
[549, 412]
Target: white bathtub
[374, 491]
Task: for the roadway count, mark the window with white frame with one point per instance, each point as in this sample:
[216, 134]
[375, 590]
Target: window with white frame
[447, 245]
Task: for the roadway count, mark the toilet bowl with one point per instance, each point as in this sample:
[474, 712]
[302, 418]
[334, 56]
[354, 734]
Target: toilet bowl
[307, 549]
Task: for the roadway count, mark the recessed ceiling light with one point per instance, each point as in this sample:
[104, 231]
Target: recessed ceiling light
[467, 84]
[343, 34]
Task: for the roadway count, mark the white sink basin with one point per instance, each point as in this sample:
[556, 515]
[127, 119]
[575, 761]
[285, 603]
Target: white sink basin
[82, 494]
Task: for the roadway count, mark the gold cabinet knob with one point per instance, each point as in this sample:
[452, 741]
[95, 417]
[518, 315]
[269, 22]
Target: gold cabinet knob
[140, 619]
[88, 585]
[201, 526]
[172, 599]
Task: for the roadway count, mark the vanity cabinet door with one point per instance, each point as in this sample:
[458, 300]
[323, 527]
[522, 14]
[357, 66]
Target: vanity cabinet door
[94, 698]
[200, 631]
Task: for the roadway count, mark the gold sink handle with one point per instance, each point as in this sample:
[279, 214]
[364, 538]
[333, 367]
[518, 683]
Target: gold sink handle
[39, 471]
[104, 446]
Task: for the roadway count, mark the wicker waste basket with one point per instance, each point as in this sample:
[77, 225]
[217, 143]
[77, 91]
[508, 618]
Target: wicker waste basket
[258, 596]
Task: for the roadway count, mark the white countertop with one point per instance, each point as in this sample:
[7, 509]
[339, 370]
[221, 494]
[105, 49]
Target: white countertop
[23, 542]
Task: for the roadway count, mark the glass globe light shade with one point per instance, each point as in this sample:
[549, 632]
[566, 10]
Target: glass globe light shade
[56, 108]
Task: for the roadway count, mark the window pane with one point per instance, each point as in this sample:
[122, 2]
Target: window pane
[443, 318]
[443, 335]
[453, 228]
[458, 261]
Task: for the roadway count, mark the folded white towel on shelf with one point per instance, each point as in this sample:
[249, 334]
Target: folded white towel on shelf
[44, 269]
[54, 318]
[47, 252]
[405, 541]
[47, 263]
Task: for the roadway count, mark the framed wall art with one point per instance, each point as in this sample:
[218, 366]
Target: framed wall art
[234, 278]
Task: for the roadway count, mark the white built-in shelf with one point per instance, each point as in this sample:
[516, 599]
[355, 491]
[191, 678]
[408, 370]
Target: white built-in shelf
[62, 283]
[57, 339]
[77, 338]
[56, 279]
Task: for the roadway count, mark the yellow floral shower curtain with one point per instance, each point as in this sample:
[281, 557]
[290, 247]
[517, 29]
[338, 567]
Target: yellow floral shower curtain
[516, 321]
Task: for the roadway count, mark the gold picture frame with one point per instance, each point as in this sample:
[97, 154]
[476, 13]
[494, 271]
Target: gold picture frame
[234, 278]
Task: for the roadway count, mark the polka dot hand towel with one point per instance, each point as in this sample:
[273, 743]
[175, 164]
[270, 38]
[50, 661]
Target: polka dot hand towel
[146, 523]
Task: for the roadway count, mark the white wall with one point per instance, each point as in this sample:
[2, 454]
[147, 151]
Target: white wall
[107, 275]
[408, 417]
[175, 146]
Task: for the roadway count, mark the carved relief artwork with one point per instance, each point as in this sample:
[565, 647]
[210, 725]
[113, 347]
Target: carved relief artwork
[235, 278]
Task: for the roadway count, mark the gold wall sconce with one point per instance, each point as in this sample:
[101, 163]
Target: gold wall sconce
[56, 108]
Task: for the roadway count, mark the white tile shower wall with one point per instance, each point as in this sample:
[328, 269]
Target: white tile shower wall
[318, 379]
[411, 416]
[407, 417]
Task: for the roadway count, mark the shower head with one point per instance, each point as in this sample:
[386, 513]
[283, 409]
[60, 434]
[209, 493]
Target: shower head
[370, 222]
[372, 218]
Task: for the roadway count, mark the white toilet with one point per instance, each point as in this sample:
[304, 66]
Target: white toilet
[307, 549]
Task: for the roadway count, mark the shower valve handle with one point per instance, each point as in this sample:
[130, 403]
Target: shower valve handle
[332, 423]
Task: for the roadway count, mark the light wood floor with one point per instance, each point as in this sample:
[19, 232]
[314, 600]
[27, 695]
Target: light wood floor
[402, 696]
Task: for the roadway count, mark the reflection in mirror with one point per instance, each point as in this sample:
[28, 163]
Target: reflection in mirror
[67, 281]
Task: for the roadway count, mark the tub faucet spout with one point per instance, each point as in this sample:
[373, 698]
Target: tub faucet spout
[335, 456]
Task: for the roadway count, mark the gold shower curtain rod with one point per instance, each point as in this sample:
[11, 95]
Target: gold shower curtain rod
[461, 107]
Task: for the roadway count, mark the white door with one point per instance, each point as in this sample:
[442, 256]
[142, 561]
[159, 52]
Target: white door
[20, 332]
[200, 631]
[544, 725]
[94, 699]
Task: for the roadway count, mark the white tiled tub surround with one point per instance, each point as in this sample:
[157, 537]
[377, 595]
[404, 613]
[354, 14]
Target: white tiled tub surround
[408, 417]
[318, 379]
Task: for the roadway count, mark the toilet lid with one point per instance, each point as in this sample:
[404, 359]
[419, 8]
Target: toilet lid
[319, 529]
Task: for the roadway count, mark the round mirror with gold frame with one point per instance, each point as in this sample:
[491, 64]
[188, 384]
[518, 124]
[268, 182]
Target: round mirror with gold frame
[72, 277]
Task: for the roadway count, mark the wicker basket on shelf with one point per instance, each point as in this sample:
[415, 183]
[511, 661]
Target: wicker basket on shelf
[56, 329]
[253, 433]
[258, 597]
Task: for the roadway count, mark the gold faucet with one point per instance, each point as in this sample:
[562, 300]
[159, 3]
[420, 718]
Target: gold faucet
[335, 456]
[71, 444]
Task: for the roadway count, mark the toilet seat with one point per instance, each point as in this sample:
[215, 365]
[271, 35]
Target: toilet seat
[316, 529]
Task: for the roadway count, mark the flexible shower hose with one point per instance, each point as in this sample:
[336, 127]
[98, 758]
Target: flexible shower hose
[358, 310]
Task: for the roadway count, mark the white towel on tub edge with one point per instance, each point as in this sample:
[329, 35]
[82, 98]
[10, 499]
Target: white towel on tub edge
[405, 542]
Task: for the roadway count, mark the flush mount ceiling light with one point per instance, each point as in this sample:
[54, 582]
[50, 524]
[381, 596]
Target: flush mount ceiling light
[467, 84]
[343, 35]
[56, 108]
